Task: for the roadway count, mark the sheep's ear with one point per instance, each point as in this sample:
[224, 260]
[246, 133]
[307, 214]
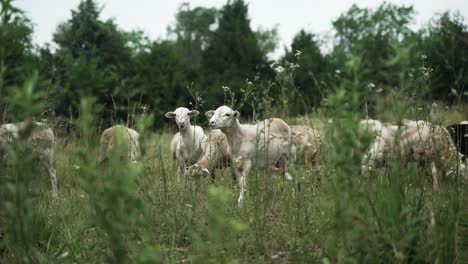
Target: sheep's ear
[193, 113]
[170, 115]
[210, 113]
[237, 114]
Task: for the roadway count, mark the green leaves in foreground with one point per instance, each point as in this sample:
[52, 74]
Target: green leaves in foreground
[220, 241]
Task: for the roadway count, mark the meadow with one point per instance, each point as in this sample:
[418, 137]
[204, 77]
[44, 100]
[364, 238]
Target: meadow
[140, 214]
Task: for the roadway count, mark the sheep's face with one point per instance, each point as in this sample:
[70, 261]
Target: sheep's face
[196, 171]
[223, 117]
[182, 117]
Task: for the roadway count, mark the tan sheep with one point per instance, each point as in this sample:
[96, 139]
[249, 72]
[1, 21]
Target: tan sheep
[121, 141]
[418, 141]
[264, 144]
[307, 141]
[216, 155]
[41, 141]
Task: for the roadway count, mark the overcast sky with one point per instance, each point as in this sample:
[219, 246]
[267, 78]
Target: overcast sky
[153, 16]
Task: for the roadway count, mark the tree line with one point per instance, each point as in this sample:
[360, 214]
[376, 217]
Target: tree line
[211, 55]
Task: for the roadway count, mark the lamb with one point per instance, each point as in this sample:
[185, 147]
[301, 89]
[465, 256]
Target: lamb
[187, 144]
[419, 141]
[41, 140]
[263, 144]
[216, 155]
[122, 141]
[307, 142]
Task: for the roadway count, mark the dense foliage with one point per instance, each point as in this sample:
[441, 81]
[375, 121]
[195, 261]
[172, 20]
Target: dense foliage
[209, 49]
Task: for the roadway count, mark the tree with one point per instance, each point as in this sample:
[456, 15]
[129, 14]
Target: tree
[162, 77]
[267, 39]
[445, 50]
[373, 36]
[312, 76]
[193, 30]
[233, 54]
[93, 59]
[16, 49]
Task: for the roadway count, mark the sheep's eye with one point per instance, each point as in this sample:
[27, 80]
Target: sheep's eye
[227, 114]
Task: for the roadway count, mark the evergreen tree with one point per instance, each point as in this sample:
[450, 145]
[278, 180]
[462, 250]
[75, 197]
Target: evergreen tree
[233, 54]
[312, 77]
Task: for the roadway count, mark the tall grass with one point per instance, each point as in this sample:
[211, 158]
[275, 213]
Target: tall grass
[120, 212]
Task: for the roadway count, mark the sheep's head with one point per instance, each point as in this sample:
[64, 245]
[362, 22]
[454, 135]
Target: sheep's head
[223, 117]
[182, 117]
[197, 171]
[374, 126]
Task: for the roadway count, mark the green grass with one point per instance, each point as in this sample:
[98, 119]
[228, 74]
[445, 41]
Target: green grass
[330, 215]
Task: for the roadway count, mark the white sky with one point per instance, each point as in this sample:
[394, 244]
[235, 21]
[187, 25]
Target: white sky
[153, 16]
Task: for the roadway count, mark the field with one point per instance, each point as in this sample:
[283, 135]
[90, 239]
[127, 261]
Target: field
[330, 214]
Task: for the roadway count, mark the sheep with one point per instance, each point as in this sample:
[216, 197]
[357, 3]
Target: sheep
[216, 155]
[41, 140]
[188, 148]
[263, 144]
[121, 140]
[307, 142]
[418, 141]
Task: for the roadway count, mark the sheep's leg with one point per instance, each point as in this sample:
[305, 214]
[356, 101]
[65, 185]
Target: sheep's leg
[234, 172]
[180, 171]
[47, 162]
[213, 175]
[435, 183]
[308, 157]
[242, 181]
[53, 180]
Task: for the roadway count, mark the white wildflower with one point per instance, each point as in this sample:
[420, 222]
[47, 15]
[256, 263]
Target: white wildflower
[379, 90]
[225, 88]
[298, 53]
[337, 71]
[76, 167]
[420, 108]
[279, 69]
[423, 56]
[434, 104]
[371, 85]
[64, 254]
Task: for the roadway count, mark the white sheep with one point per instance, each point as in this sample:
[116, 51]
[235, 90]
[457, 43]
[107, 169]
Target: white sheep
[263, 144]
[418, 141]
[307, 142]
[41, 141]
[121, 141]
[187, 144]
[216, 155]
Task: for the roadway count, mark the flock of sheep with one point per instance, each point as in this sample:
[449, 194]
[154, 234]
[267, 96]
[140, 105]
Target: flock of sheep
[268, 145]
